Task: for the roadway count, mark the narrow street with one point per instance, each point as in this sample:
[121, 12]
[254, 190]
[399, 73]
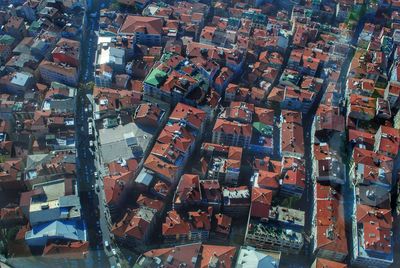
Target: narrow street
[91, 199]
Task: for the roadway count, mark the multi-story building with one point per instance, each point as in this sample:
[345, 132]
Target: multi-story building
[328, 225]
[55, 214]
[146, 30]
[387, 141]
[221, 163]
[297, 99]
[327, 164]
[369, 167]
[252, 257]
[195, 228]
[176, 142]
[189, 255]
[211, 194]
[232, 133]
[172, 81]
[55, 72]
[236, 201]
[188, 192]
[323, 263]
[67, 51]
[372, 237]
[282, 231]
[15, 26]
[137, 226]
[291, 134]
[17, 82]
[360, 107]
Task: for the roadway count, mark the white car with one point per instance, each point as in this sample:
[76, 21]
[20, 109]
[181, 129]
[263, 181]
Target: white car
[113, 251]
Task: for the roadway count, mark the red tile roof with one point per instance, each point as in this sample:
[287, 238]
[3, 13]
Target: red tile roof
[377, 224]
[10, 170]
[175, 225]
[265, 116]
[195, 117]
[166, 152]
[188, 190]
[295, 176]
[149, 25]
[145, 201]
[148, 113]
[222, 255]
[292, 140]
[370, 158]
[330, 224]
[228, 127]
[260, 202]
[200, 220]
[161, 167]
[176, 135]
[268, 180]
[180, 254]
[70, 250]
[324, 263]
[114, 186]
[329, 118]
[389, 140]
[224, 223]
[132, 224]
[362, 137]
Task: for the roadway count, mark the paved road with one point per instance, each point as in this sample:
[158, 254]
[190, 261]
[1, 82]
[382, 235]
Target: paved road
[91, 199]
[92, 190]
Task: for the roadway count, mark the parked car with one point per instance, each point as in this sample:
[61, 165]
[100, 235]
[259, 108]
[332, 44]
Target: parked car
[107, 245]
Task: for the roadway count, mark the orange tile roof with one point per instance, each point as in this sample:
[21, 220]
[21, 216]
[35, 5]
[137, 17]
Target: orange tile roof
[132, 224]
[167, 152]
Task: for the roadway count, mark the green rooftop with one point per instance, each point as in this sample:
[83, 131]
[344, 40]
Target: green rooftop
[263, 128]
[156, 77]
[7, 39]
[35, 26]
